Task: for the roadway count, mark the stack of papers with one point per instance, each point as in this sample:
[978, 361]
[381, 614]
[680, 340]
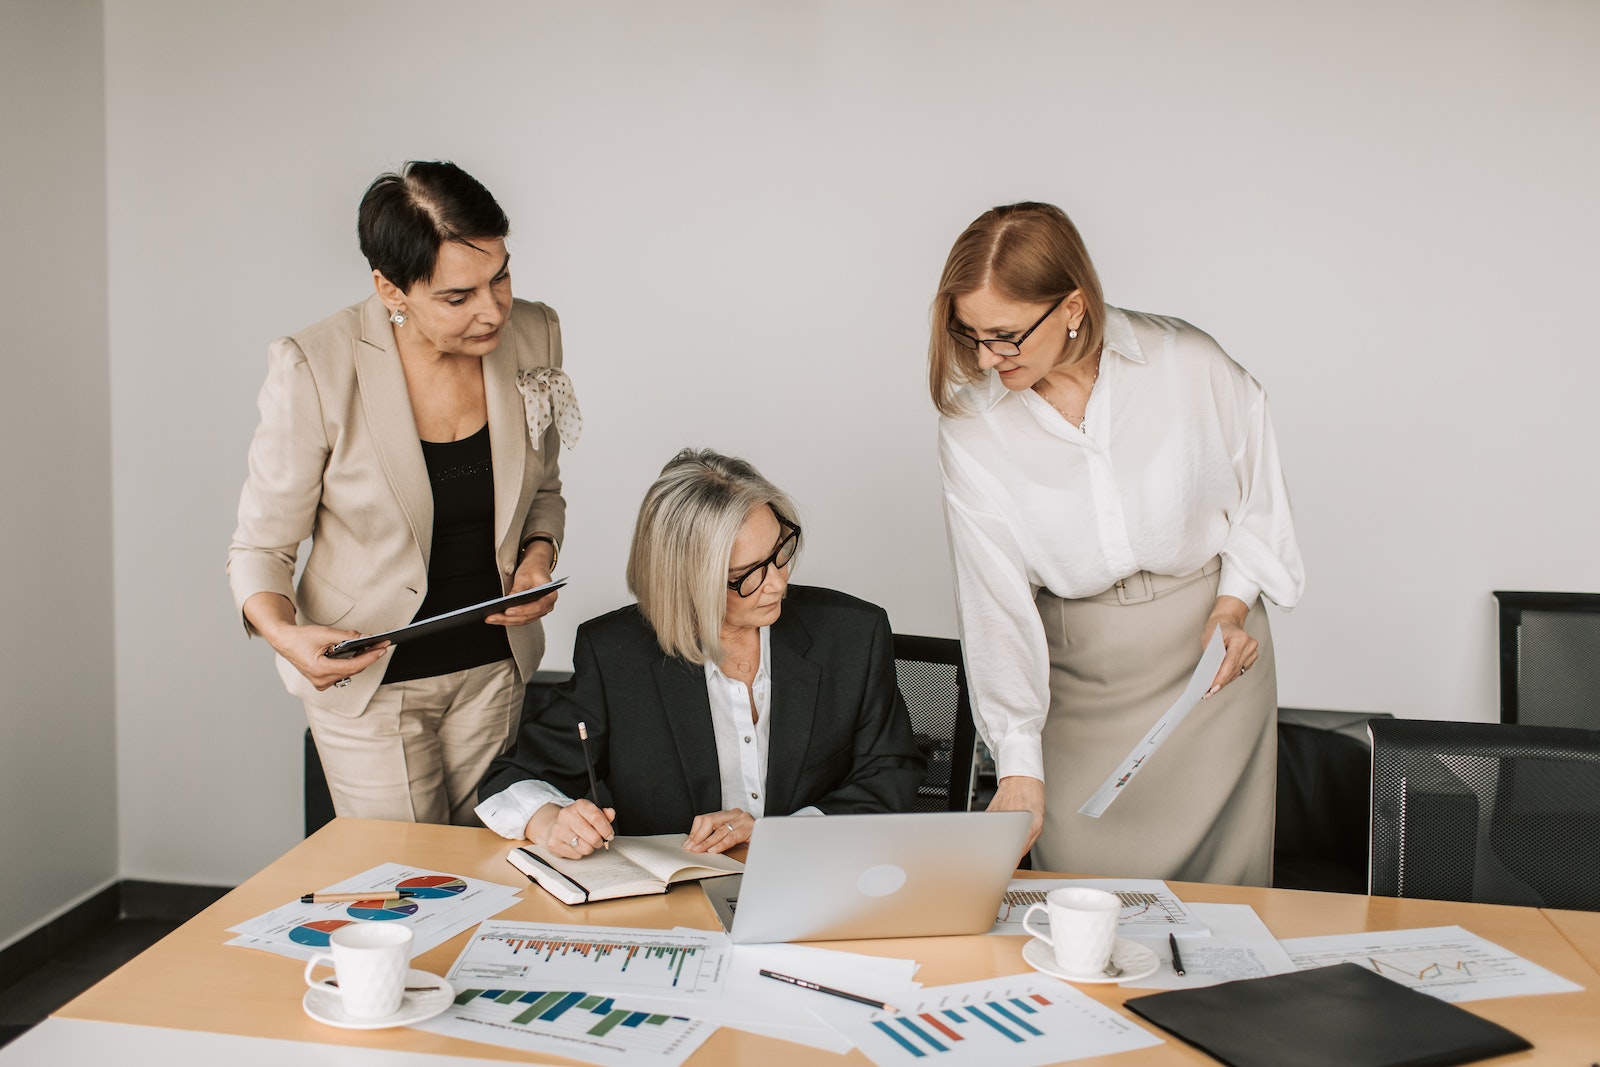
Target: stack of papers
[439, 906]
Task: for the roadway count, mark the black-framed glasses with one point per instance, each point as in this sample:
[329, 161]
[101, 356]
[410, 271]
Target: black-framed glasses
[999, 347]
[747, 583]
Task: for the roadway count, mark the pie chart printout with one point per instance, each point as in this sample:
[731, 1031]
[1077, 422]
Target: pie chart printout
[432, 886]
[378, 910]
[315, 934]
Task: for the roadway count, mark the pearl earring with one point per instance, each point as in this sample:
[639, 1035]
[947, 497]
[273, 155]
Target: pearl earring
[398, 318]
[1072, 335]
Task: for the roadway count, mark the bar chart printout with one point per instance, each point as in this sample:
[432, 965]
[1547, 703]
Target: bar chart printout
[1017, 1020]
[691, 964]
[586, 1026]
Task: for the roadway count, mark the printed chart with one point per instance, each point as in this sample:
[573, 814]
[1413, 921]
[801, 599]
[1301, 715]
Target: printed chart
[586, 1026]
[437, 907]
[1018, 1020]
[676, 963]
[1149, 907]
[1443, 961]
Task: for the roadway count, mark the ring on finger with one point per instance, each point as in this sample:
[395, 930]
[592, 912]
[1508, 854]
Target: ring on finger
[728, 826]
[574, 841]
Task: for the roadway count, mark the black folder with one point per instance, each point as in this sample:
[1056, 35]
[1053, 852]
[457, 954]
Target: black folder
[1339, 1016]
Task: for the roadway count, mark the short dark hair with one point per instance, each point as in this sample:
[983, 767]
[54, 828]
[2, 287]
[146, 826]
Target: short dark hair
[407, 214]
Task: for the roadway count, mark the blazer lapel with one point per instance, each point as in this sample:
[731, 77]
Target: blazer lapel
[388, 409]
[508, 433]
[795, 682]
[683, 694]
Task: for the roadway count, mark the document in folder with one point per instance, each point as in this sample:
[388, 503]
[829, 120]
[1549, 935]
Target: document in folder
[1339, 1016]
[450, 619]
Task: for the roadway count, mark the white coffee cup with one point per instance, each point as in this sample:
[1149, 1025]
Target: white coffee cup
[1083, 928]
[371, 960]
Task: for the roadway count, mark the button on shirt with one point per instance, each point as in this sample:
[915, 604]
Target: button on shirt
[741, 754]
[1179, 464]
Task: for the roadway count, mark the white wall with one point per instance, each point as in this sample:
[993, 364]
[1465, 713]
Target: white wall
[1384, 211]
[58, 816]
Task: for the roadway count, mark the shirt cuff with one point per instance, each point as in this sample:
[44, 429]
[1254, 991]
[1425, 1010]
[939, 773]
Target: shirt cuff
[508, 811]
[1020, 755]
[1232, 583]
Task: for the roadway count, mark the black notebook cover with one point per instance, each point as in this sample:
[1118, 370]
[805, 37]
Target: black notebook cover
[1339, 1016]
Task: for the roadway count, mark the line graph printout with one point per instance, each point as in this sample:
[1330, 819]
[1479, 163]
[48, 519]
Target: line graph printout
[1021, 1020]
[1443, 961]
[594, 1027]
[1134, 762]
[1149, 907]
[661, 963]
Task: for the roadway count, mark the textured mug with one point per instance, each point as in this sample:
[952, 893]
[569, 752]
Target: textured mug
[1083, 928]
[371, 960]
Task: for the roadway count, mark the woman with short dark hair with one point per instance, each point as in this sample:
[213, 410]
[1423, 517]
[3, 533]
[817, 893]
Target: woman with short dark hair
[413, 438]
[724, 695]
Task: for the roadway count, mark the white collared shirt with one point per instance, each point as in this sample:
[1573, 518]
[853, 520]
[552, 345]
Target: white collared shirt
[741, 754]
[1178, 464]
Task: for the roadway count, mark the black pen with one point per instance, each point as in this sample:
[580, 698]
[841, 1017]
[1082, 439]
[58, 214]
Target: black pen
[594, 783]
[803, 984]
[1177, 960]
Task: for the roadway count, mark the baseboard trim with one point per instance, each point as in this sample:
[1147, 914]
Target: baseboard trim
[126, 899]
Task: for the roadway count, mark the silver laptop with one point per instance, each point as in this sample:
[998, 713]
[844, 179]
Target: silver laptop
[829, 877]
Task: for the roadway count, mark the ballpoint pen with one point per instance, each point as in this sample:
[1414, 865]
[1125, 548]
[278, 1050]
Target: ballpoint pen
[803, 984]
[351, 898]
[1177, 960]
[594, 783]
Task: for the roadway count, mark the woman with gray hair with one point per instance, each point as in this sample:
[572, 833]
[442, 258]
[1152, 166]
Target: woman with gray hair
[723, 695]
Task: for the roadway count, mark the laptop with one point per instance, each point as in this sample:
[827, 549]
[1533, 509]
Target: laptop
[833, 877]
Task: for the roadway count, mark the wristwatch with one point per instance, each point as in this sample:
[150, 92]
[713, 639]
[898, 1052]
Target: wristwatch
[555, 546]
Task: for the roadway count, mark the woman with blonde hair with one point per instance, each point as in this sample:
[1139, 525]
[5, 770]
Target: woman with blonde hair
[1114, 502]
[723, 695]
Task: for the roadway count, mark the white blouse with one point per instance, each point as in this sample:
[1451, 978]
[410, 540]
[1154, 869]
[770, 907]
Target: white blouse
[1179, 464]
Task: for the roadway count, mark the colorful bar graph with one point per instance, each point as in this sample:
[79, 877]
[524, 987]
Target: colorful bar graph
[549, 1007]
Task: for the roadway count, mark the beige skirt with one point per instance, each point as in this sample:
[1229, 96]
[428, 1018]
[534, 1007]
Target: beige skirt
[1202, 808]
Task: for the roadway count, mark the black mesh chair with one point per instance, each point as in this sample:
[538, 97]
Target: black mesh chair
[1550, 659]
[1491, 812]
[934, 683]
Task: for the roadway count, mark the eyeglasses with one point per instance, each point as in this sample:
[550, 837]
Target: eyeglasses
[753, 579]
[999, 347]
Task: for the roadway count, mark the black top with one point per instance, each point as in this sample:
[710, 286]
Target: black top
[840, 736]
[461, 567]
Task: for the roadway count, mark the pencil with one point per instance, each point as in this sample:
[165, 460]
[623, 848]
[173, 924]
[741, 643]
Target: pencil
[803, 984]
[350, 898]
[594, 783]
[1177, 960]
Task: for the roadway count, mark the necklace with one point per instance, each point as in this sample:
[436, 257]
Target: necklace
[1083, 419]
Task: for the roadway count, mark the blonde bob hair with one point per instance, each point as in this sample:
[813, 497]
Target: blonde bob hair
[678, 565]
[1027, 252]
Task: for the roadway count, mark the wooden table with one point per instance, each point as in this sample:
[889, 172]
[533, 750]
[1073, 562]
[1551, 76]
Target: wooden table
[191, 981]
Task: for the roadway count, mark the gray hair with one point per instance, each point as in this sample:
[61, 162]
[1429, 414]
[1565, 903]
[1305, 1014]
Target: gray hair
[678, 565]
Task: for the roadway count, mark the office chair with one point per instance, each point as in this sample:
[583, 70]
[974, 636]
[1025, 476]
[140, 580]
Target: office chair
[1497, 813]
[934, 683]
[1324, 823]
[1550, 659]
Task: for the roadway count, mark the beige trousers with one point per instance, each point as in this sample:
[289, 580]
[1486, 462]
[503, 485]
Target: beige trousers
[1202, 808]
[419, 750]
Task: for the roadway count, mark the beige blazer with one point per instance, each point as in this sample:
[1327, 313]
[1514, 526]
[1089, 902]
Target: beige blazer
[336, 458]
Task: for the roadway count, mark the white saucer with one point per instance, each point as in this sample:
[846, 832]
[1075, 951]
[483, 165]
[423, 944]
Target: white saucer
[324, 1005]
[1136, 961]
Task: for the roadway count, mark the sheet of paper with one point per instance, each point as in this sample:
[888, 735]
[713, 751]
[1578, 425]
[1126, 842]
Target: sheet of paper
[592, 1027]
[1443, 961]
[443, 905]
[1199, 682]
[680, 964]
[1020, 1020]
[1149, 907]
[1239, 946]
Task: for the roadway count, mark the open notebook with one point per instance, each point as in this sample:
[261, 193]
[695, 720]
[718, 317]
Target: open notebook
[632, 867]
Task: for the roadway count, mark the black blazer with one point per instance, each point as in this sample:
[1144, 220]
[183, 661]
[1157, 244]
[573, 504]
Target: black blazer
[840, 735]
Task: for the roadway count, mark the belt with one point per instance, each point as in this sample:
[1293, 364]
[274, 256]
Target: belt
[1143, 586]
